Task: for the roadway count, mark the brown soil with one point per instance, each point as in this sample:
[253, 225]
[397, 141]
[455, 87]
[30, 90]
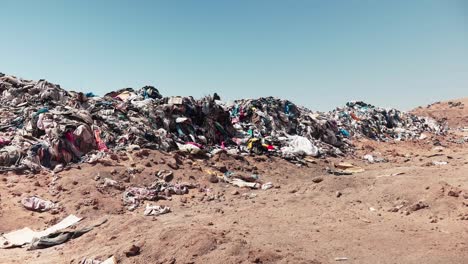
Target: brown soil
[457, 115]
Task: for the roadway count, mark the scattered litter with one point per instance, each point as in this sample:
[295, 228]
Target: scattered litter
[111, 260]
[345, 168]
[241, 183]
[107, 182]
[159, 190]
[165, 175]
[26, 235]
[37, 204]
[369, 158]
[59, 237]
[156, 210]
[374, 158]
[267, 186]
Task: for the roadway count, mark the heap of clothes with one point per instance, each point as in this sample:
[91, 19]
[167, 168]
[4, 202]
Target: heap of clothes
[45, 126]
[359, 119]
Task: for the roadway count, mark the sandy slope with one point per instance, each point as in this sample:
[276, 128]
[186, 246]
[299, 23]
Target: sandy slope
[457, 116]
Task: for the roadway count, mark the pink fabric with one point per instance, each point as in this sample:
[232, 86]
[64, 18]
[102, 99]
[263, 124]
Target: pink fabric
[101, 145]
[4, 141]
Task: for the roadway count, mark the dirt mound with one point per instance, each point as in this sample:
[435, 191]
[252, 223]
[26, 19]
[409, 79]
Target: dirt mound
[454, 111]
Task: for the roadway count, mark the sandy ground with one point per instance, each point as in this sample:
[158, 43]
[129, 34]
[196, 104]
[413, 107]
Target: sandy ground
[310, 217]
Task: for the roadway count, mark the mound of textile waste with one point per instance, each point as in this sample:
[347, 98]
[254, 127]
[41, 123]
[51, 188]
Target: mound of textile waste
[43, 126]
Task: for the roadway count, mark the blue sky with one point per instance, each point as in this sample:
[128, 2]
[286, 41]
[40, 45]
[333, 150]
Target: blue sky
[319, 54]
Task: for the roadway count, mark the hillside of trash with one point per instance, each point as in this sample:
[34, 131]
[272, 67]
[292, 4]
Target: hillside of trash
[45, 127]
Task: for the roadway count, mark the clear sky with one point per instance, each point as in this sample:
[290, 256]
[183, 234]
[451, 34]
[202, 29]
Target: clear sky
[319, 54]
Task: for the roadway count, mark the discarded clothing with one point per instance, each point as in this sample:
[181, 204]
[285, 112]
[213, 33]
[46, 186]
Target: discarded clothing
[48, 126]
[158, 190]
[156, 210]
[59, 237]
[133, 196]
[26, 235]
[37, 204]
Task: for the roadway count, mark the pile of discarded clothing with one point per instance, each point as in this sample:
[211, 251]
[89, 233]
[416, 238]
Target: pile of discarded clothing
[275, 125]
[359, 119]
[45, 126]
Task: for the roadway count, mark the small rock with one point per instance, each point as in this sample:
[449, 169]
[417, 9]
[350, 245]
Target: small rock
[418, 206]
[453, 193]
[173, 164]
[168, 177]
[213, 179]
[133, 251]
[317, 179]
[235, 192]
[338, 194]
[221, 168]
[142, 153]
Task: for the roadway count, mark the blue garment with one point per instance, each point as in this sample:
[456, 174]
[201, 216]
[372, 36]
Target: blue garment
[344, 132]
[41, 111]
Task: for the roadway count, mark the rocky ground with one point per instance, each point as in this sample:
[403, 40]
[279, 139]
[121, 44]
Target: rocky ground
[405, 210]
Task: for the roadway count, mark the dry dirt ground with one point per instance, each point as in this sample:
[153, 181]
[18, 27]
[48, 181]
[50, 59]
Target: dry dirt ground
[406, 210]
